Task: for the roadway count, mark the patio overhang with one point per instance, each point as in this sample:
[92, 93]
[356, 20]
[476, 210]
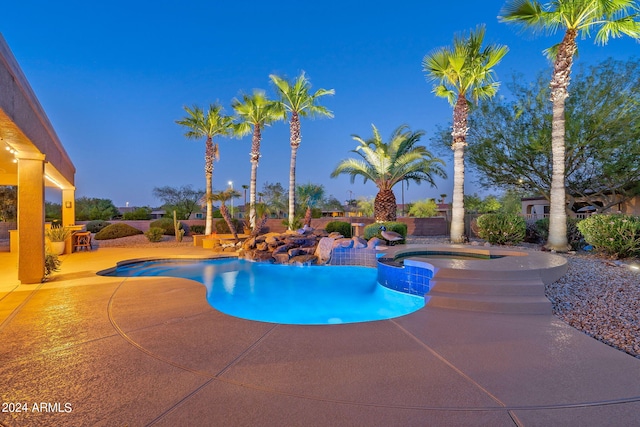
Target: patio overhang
[31, 157]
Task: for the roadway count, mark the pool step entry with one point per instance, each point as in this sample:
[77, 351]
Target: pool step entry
[507, 292]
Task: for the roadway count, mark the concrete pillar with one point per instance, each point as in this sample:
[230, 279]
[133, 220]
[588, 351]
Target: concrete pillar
[68, 207]
[31, 218]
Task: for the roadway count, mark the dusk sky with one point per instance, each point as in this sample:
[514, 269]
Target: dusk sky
[113, 78]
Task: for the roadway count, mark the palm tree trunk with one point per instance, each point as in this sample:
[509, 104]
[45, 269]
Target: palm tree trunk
[384, 206]
[559, 83]
[255, 158]
[294, 139]
[227, 218]
[208, 173]
[460, 114]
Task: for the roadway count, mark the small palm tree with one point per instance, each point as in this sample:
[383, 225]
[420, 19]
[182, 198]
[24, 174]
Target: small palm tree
[255, 112]
[223, 197]
[298, 102]
[610, 19]
[209, 124]
[245, 187]
[463, 72]
[386, 164]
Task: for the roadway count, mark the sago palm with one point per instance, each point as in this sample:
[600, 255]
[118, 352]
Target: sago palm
[386, 164]
[298, 102]
[608, 18]
[463, 73]
[255, 112]
[207, 124]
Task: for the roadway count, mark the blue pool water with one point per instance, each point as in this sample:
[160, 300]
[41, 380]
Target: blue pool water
[310, 295]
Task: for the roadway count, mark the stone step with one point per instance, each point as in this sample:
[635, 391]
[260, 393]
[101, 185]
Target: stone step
[490, 304]
[526, 287]
[488, 274]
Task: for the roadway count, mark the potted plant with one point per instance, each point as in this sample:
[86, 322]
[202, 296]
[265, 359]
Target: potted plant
[57, 237]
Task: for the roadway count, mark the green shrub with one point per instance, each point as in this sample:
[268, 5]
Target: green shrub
[197, 229]
[154, 234]
[373, 230]
[138, 214]
[51, 264]
[501, 228]
[166, 224]
[115, 231]
[574, 236]
[223, 228]
[617, 235]
[58, 234]
[95, 226]
[341, 227]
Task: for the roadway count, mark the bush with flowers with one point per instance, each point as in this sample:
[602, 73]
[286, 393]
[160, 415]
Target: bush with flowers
[615, 235]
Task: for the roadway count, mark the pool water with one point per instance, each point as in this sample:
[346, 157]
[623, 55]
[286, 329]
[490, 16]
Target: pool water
[310, 295]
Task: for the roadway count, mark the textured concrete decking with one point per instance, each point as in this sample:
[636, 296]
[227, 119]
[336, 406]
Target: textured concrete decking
[151, 351]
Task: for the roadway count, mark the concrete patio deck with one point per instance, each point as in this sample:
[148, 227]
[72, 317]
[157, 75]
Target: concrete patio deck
[109, 351]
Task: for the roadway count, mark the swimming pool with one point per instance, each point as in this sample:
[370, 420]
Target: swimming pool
[309, 295]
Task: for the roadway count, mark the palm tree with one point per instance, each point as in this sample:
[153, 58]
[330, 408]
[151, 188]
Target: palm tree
[386, 164]
[255, 111]
[222, 197]
[463, 72]
[245, 187]
[209, 124]
[610, 19]
[298, 102]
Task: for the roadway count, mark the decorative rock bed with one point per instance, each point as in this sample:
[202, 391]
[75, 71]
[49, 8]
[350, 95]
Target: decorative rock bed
[294, 248]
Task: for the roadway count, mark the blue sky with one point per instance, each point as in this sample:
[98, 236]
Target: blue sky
[113, 78]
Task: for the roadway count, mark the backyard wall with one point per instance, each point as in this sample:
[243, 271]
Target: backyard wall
[4, 229]
[436, 226]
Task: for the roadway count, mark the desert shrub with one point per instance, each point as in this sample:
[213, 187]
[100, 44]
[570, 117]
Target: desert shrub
[373, 230]
[574, 236]
[197, 229]
[154, 234]
[341, 227]
[501, 228]
[166, 224]
[115, 231]
[95, 226]
[616, 235]
[222, 227]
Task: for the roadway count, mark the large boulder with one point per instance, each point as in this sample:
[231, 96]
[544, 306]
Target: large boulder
[359, 242]
[323, 250]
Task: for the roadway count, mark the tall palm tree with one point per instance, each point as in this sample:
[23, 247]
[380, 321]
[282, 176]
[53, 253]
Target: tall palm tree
[386, 164]
[255, 112]
[609, 19]
[298, 102]
[463, 73]
[222, 197]
[207, 124]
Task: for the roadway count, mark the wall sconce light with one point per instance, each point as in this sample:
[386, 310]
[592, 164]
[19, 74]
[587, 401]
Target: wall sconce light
[67, 205]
